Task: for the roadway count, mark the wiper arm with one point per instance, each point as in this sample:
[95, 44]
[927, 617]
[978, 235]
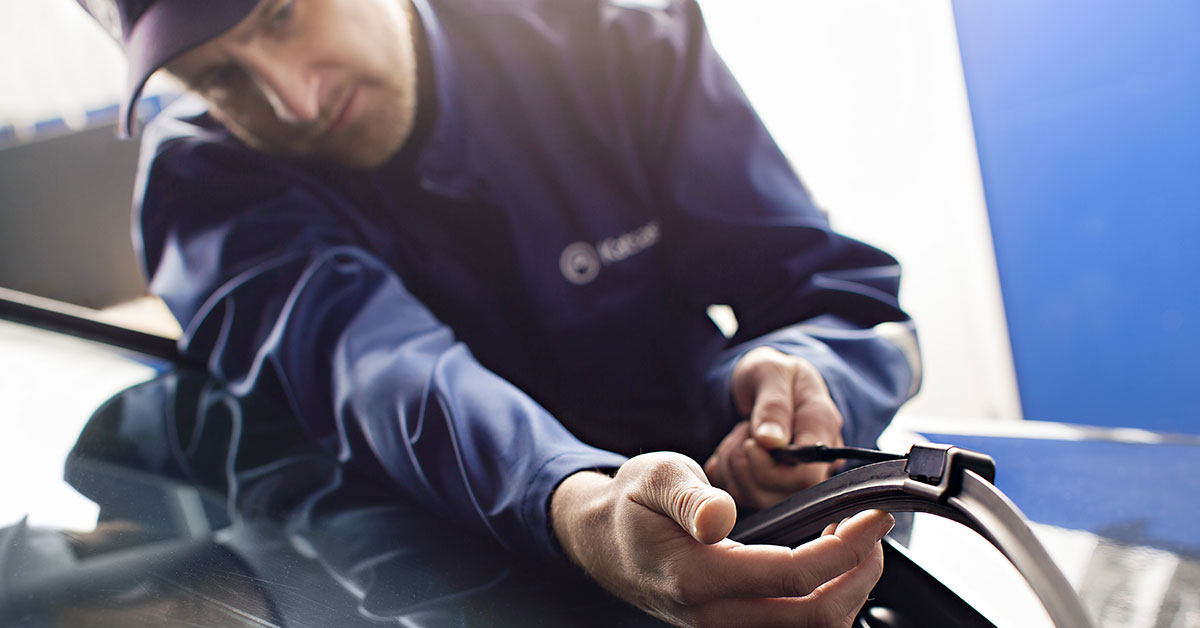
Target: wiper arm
[797, 454]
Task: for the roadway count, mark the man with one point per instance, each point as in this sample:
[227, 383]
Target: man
[463, 238]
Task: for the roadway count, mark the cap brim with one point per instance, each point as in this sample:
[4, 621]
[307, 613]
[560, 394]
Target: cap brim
[166, 30]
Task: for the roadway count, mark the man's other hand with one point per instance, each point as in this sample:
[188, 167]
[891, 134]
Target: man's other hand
[787, 403]
[654, 535]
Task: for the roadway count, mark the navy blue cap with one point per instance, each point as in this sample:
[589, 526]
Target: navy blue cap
[152, 32]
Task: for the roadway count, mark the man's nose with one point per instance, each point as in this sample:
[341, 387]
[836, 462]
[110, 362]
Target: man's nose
[289, 85]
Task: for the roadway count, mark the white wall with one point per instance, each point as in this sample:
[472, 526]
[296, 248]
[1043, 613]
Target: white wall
[54, 63]
[867, 99]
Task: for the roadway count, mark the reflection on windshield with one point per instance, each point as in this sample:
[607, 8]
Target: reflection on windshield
[216, 510]
[1120, 584]
[975, 570]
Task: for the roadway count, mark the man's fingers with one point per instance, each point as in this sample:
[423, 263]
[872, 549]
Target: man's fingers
[844, 596]
[771, 417]
[714, 517]
[706, 578]
[731, 570]
[782, 478]
[832, 604]
[817, 420]
[729, 445]
[744, 488]
[763, 390]
[676, 487]
[868, 525]
[728, 455]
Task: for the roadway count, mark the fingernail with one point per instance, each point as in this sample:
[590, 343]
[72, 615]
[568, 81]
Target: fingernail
[770, 431]
[889, 523]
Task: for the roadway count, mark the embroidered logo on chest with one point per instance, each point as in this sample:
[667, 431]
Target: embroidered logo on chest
[581, 262]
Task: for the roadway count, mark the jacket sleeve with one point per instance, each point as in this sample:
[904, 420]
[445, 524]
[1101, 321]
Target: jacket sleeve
[741, 230]
[271, 281]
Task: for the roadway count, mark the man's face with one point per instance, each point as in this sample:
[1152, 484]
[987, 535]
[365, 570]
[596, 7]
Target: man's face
[329, 80]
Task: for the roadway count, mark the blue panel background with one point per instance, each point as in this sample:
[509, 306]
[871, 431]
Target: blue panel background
[1136, 493]
[1087, 118]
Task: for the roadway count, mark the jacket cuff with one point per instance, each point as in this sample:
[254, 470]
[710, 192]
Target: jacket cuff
[535, 504]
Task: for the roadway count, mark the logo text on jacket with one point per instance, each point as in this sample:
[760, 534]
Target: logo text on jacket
[581, 262]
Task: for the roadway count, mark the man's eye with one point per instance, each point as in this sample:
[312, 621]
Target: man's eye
[282, 13]
[219, 78]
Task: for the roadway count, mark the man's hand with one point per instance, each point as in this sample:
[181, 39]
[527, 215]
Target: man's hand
[655, 536]
[787, 402]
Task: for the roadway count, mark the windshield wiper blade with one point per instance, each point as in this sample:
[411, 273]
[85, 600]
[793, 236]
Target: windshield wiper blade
[943, 480]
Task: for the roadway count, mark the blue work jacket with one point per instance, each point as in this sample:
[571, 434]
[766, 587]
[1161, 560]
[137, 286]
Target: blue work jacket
[522, 295]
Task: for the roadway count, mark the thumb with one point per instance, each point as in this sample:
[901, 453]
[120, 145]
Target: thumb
[764, 390]
[677, 488]
[771, 416]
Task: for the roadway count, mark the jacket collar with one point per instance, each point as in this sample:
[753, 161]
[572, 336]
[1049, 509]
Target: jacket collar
[442, 165]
